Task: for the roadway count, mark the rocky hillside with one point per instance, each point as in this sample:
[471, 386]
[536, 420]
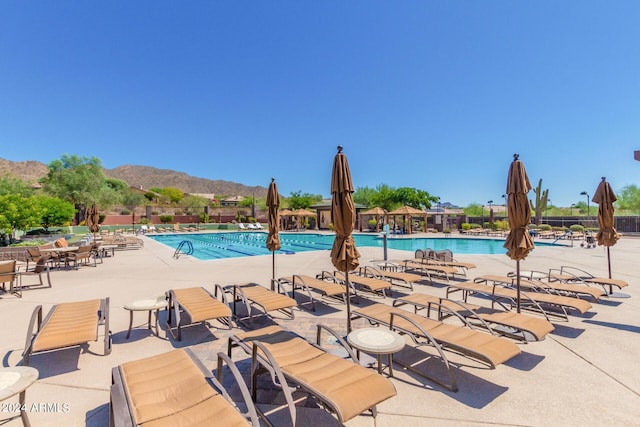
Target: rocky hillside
[144, 176]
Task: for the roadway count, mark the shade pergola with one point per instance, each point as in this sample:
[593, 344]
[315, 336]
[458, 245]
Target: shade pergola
[408, 211]
[376, 212]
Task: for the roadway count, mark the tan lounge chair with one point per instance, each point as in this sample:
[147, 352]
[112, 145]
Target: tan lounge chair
[373, 285]
[194, 305]
[67, 325]
[497, 322]
[503, 288]
[175, 389]
[329, 288]
[253, 294]
[553, 285]
[431, 269]
[344, 387]
[480, 346]
[577, 275]
[397, 278]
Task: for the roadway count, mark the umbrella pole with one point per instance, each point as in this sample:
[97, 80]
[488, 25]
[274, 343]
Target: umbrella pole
[609, 263]
[518, 287]
[273, 269]
[346, 274]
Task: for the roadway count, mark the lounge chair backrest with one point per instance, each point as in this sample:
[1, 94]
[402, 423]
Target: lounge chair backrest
[34, 253]
[7, 271]
[61, 243]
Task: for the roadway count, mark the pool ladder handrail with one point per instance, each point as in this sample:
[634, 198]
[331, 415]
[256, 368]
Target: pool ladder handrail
[179, 250]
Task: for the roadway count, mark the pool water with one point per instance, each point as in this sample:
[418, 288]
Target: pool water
[239, 244]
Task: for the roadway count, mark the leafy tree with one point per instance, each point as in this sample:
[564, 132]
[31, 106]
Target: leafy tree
[194, 203]
[365, 196]
[474, 209]
[299, 200]
[53, 211]
[175, 195]
[18, 213]
[629, 199]
[384, 197]
[116, 184]
[131, 201]
[14, 185]
[77, 180]
[413, 197]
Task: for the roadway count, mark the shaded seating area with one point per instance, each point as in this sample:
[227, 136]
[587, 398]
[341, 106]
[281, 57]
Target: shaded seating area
[497, 322]
[342, 386]
[254, 295]
[67, 324]
[195, 305]
[176, 389]
[329, 287]
[487, 349]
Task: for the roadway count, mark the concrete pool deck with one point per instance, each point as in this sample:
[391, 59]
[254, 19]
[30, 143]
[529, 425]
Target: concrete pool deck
[584, 373]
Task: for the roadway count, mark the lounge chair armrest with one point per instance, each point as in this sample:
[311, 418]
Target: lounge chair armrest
[251, 409]
[223, 294]
[35, 316]
[340, 339]
[119, 411]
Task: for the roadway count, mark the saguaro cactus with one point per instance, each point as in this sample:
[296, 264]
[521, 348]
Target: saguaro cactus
[541, 202]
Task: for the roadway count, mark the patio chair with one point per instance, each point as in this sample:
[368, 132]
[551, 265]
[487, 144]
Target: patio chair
[487, 349]
[503, 288]
[9, 274]
[330, 288]
[41, 267]
[67, 324]
[81, 257]
[255, 295]
[497, 322]
[398, 278]
[576, 275]
[559, 287]
[176, 389]
[371, 284]
[424, 267]
[342, 386]
[194, 305]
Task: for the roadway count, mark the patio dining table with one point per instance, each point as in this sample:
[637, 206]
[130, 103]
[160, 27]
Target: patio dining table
[61, 252]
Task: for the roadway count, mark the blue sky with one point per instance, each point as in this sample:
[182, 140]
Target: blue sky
[427, 94]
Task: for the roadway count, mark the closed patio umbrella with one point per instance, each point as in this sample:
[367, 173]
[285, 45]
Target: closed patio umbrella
[519, 242]
[93, 219]
[273, 219]
[344, 254]
[607, 235]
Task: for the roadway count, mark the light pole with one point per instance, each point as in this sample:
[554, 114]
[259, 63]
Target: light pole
[571, 209]
[506, 208]
[438, 213]
[490, 202]
[584, 193]
[546, 210]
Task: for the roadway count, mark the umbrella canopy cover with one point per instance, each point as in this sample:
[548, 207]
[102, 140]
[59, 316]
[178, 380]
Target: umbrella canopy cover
[93, 219]
[519, 242]
[604, 197]
[273, 204]
[344, 254]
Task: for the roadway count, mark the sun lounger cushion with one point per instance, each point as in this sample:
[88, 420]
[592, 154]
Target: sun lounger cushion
[170, 390]
[199, 304]
[69, 324]
[351, 388]
[266, 298]
[326, 287]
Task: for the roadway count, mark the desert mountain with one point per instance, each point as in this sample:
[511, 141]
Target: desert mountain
[145, 176]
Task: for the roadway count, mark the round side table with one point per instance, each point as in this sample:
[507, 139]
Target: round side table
[150, 305]
[16, 380]
[377, 341]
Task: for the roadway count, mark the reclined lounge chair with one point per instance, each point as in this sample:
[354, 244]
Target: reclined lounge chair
[253, 294]
[397, 278]
[430, 270]
[373, 285]
[480, 346]
[194, 305]
[329, 288]
[344, 387]
[175, 389]
[577, 275]
[497, 322]
[558, 287]
[67, 325]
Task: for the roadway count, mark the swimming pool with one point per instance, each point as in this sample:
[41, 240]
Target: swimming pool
[239, 244]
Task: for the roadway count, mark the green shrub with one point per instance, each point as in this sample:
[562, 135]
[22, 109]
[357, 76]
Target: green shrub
[446, 230]
[178, 212]
[465, 226]
[372, 222]
[331, 226]
[577, 228]
[501, 224]
[165, 219]
[144, 220]
[544, 227]
[154, 212]
[475, 226]
[125, 212]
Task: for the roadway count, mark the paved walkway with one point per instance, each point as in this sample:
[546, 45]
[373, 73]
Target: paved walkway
[585, 373]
